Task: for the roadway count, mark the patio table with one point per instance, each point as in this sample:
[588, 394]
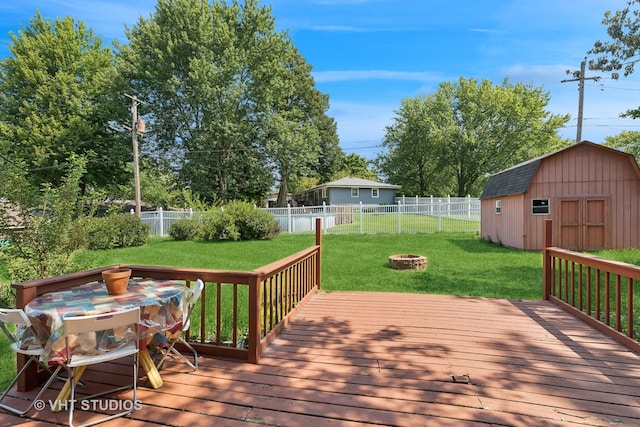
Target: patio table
[162, 305]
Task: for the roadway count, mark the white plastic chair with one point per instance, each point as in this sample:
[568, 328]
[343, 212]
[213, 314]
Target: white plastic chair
[17, 317]
[171, 350]
[128, 346]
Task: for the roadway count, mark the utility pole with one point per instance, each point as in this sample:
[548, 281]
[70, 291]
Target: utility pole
[137, 127]
[580, 79]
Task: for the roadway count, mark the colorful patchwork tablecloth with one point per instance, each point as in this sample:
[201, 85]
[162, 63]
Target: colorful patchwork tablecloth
[162, 305]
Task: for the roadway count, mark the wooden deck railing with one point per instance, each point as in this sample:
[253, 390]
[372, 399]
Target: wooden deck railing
[239, 312]
[599, 291]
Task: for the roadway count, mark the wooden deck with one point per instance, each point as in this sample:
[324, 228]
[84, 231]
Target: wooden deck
[401, 359]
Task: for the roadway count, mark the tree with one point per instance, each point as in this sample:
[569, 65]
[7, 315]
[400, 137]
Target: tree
[355, 166]
[467, 130]
[627, 141]
[413, 158]
[226, 94]
[57, 101]
[620, 53]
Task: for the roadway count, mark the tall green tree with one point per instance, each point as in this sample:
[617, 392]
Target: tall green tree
[355, 166]
[225, 94]
[57, 100]
[620, 53]
[467, 130]
[627, 141]
[413, 156]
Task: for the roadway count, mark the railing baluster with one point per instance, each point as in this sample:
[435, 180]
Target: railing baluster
[588, 307]
[618, 303]
[598, 297]
[607, 298]
[630, 307]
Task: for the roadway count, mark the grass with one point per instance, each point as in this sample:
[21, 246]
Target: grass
[458, 263]
[409, 223]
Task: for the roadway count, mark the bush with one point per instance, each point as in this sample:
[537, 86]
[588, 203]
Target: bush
[186, 229]
[239, 221]
[115, 231]
[218, 224]
[259, 225]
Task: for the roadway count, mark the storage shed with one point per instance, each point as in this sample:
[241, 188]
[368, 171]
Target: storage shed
[591, 193]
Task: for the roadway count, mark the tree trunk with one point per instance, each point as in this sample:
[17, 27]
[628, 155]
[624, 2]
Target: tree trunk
[282, 194]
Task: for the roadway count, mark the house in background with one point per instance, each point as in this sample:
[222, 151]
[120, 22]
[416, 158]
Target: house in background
[348, 191]
[591, 192]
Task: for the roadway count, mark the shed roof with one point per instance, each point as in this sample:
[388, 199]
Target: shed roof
[511, 181]
[516, 179]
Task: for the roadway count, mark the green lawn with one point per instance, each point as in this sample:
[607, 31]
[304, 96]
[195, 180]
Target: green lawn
[458, 263]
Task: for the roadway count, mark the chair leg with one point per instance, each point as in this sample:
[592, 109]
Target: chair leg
[132, 404]
[172, 350]
[20, 412]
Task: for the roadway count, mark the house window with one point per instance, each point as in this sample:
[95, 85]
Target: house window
[324, 192]
[355, 192]
[498, 206]
[375, 193]
[540, 206]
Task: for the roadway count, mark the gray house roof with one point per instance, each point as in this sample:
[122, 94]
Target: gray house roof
[350, 182]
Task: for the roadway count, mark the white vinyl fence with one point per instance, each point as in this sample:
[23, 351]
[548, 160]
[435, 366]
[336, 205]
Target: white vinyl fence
[408, 215]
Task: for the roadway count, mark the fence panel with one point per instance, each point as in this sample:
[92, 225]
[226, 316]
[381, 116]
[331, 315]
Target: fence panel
[408, 215]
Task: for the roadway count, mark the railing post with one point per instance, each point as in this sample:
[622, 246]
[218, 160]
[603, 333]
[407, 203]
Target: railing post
[29, 379]
[547, 242]
[319, 255]
[254, 319]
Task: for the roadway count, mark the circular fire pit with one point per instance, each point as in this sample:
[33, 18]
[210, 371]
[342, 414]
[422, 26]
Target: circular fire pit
[408, 262]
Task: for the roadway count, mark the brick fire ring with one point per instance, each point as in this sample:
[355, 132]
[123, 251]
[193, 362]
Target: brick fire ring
[408, 262]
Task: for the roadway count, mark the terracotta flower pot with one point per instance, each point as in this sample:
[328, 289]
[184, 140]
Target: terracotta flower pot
[116, 280]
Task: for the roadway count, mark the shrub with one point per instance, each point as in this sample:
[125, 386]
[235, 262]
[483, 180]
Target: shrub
[115, 231]
[239, 221]
[259, 225]
[218, 224]
[186, 229]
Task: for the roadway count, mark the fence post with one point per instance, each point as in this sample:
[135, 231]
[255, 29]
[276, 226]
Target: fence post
[399, 218]
[431, 204]
[440, 215]
[324, 217]
[361, 219]
[289, 218]
[468, 206]
[547, 242]
[161, 227]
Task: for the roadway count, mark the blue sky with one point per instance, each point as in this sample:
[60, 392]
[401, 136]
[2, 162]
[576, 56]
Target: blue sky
[368, 55]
